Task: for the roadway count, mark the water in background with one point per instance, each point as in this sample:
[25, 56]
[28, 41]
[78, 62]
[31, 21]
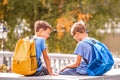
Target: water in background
[113, 43]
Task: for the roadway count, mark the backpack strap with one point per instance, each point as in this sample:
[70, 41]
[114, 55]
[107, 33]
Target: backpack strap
[90, 41]
[85, 60]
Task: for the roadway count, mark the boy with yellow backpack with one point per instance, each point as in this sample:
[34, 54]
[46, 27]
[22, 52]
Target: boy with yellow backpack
[26, 58]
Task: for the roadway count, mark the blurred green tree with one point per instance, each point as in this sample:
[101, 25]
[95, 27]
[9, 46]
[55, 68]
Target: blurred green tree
[19, 17]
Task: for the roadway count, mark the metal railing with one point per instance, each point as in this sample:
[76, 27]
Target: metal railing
[57, 60]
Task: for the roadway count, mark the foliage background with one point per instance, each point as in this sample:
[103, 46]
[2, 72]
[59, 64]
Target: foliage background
[19, 17]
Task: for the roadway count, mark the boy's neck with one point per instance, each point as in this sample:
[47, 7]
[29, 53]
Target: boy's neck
[37, 35]
[85, 36]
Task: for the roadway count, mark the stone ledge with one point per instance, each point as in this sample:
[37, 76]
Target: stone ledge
[113, 74]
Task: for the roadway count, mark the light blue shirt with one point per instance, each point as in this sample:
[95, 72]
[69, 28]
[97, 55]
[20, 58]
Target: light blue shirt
[40, 46]
[85, 50]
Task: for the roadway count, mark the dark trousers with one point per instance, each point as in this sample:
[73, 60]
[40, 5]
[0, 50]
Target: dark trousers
[42, 72]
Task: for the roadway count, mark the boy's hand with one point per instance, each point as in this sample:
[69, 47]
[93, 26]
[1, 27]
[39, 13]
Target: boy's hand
[54, 74]
[63, 69]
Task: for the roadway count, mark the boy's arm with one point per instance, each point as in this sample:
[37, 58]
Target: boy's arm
[47, 61]
[74, 65]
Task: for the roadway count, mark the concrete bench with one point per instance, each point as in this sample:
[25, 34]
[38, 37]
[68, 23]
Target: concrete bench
[113, 74]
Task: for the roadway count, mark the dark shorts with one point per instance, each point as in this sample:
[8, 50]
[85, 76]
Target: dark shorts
[42, 72]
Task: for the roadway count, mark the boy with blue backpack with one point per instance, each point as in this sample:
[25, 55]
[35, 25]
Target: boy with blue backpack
[93, 57]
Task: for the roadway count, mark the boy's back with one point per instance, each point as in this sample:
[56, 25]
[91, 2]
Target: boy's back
[40, 46]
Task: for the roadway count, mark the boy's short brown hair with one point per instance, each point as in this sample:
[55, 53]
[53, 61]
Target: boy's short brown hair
[41, 24]
[78, 27]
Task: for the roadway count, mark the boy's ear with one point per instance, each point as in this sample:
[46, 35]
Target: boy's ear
[77, 33]
[41, 29]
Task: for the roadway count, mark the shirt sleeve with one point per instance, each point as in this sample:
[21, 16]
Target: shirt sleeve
[85, 50]
[79, 49]
[43, 44]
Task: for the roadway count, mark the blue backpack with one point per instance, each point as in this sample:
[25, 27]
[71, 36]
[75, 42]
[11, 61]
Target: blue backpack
[102, 61]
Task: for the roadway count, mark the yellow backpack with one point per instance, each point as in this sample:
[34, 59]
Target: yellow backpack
[24, 58]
